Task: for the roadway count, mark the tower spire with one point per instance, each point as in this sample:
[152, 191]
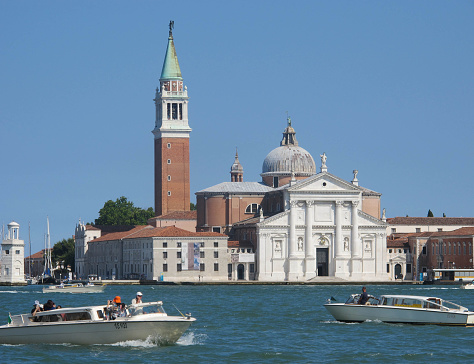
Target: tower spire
[171, 70]
[236, 171]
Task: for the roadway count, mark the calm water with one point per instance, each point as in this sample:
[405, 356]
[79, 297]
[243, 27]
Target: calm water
[254, 324]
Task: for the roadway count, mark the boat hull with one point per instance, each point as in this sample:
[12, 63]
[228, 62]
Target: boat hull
[163, 331]
[80, 289]
[391, 314]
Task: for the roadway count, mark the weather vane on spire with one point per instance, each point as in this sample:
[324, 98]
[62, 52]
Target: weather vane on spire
[171, 27]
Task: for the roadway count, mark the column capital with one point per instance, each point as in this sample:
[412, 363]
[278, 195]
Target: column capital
[293, 203]
[355, 203]
[310, 203]
[339, 203]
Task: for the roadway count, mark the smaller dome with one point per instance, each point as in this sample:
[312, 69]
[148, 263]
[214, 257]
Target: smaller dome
[13, 224]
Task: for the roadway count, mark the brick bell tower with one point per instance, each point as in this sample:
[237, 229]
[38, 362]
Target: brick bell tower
[172, 189]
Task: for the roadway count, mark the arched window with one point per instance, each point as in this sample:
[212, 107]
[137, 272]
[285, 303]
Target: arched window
[253, 208]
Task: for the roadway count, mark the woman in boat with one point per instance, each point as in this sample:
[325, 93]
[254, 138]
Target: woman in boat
[50, 305]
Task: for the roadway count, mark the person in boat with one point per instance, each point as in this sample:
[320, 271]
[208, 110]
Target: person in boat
[113, 307]
[50, 305]
[38, 307]
[123, 311]
[364, 297]
[137, 299]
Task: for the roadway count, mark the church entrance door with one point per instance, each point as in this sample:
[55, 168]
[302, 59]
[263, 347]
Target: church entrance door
[398, 271]
[322, 260]
[240, 271]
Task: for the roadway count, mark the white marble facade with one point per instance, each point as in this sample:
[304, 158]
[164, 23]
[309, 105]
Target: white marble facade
[322, 232]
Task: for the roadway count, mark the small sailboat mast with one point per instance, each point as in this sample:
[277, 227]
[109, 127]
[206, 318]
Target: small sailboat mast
[48, 266]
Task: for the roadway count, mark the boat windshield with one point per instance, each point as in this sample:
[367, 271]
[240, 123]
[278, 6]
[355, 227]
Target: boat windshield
[354, 299]
[145, 309]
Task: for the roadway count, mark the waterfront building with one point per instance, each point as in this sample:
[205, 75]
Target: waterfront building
[36, 261]
[399, 226]
[400, 259]
[154, 253]
[12, 259]
[82, 236]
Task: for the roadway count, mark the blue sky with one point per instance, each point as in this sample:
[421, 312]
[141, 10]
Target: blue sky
[385, 87]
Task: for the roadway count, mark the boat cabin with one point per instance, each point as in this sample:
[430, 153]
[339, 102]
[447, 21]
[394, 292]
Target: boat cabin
[91, 313]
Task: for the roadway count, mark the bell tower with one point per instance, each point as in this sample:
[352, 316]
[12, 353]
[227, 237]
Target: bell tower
[172, 189]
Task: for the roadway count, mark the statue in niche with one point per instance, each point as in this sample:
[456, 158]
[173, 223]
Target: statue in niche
[300, 244]
[346, 244]
[368, 246]
[277, 246]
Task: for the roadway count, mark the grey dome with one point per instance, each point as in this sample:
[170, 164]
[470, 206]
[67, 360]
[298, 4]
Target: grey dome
[289, 159]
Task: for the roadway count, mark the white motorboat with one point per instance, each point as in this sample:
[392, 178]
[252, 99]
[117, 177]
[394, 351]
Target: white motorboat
[468, 286]
[402, 309]
[74, 288]
[94, 325]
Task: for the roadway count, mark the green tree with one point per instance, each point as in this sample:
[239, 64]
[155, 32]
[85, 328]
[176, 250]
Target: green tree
[444, 215]
[63, 254]
[192, 207]
[123, 212]
[430, 214]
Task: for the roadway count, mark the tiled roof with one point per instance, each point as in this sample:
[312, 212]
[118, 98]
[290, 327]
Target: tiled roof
[91, 227]
[240, 244]
[147, 231]
[238, 187]
[430, 220]
[178, 215]
[38, 255]
[398, 243]
[458, 232]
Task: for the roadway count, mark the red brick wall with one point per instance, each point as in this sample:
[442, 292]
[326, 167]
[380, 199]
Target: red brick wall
[178, 169]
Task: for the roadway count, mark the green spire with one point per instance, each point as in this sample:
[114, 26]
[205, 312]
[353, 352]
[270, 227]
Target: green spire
[171, 68]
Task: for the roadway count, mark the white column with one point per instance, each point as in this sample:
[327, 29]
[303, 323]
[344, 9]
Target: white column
[292, 237]
[339, 243]
[309, 228]
[310, 259]
[356, 246]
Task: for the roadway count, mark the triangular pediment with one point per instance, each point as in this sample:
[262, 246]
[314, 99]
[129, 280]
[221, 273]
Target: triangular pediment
[276, 220]
[324, 182]
[368, 220]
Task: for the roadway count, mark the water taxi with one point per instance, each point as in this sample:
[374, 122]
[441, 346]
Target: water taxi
[74, 288]
[468, 286]
[96, 325]
[402, 309]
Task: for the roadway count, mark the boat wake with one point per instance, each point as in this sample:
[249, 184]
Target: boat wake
[339, 322]
[148, 343]
[191, 339]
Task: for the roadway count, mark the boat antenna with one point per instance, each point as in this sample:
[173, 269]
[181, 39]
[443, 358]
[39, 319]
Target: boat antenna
[178, 310]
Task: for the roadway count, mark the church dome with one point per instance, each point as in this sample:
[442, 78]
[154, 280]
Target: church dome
[289, 159]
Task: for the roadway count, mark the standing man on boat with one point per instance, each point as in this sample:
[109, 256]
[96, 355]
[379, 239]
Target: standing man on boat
[364, 297]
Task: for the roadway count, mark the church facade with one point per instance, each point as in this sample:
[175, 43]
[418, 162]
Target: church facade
[302, 225]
